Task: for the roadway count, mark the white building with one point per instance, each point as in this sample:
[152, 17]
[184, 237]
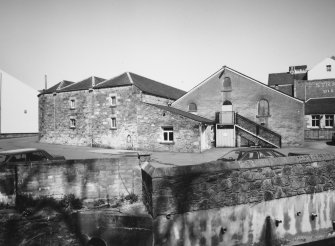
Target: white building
[18, 106]
[323, 70]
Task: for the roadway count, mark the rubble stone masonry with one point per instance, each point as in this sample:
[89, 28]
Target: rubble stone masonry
[242, 203]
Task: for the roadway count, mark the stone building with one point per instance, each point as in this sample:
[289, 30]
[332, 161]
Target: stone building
[127, 112]
[246, 111]
[133, 112]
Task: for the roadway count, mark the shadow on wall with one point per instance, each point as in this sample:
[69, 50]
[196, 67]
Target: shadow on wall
[34, 188]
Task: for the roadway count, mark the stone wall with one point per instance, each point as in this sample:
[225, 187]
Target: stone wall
[243, 203]
[305, 89]
[150, 121]
[87, 179]
[286, 113]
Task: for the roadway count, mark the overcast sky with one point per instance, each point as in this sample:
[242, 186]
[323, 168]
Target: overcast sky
[177, 42]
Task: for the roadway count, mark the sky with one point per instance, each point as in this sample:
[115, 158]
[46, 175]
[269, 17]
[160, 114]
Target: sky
[176, 42]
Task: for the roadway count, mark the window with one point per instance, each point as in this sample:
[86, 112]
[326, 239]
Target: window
[18, 158]
[329, 68]
[72, 123]
[36, 156]
[192, 107]
[329, 120]
[263, 108]
[72, 104]
[315, 120]
[227, 84]
[167, 134]
[113, 123]
[113, 100]
[113, 110]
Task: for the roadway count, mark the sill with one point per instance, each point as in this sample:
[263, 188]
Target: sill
[72, 127]
[112, 106]
[72, 108]
[167, 143]
[263, 116]
[113, 128]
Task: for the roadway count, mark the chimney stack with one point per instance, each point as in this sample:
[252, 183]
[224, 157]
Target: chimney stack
[46, 81]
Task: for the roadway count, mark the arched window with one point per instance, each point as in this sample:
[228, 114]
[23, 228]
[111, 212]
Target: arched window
[263, 108]
[227, 84]
[227, 102]
[192, 107]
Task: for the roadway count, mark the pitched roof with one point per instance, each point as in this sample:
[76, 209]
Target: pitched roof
[146, 85]
[183, 113]
[285, 78]
[120, 80]
[83, 85]
[320, 106]
[57, 87]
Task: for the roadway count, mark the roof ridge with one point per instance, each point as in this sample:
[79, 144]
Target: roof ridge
[158, 82]
[107, 80]
[130, 78]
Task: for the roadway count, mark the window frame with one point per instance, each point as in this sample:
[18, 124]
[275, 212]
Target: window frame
[113, 123]
[259, 108]
[313, 121]
[194, 109]
[112, 100]
[329, 68]
[168, 130]
[72, 103]
[73, 123]
[329, 120]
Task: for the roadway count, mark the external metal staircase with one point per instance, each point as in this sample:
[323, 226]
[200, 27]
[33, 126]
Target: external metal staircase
[256, 133]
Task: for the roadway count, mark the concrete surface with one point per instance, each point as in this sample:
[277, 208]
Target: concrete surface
[160, 159]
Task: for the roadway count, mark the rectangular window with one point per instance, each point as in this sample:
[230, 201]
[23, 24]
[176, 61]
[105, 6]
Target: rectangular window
[72, 123]
[113, 100]
[329, 120]
[113, 123]
[72, 104]
[315, 120]
[167, 134]
[329, 68]
[113, 110]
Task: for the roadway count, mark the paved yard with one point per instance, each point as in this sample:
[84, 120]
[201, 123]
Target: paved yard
[160, 158]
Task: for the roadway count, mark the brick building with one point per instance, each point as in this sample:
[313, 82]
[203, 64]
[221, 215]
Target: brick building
[317, 88]
[246, 111]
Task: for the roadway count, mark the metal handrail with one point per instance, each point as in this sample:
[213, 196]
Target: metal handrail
[257, 127]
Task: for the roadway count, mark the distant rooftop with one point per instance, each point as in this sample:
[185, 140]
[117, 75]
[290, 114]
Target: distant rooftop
[320, 106]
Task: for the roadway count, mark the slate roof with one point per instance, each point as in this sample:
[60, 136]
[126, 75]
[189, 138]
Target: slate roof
[320, 106]
[57, 87]
[285, 78]
[146, 85]
[183, 113]
[83, 85]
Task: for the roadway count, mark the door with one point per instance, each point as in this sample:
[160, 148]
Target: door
[225, 135]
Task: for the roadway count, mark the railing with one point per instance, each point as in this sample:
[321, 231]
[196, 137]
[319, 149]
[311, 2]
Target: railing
[258, 130]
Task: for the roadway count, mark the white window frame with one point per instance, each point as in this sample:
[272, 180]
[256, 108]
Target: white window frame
[329, 118]
[73, 123]
[167, 137]
[113, 124]
[316, 118]
[72, 103]
[112, 98]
